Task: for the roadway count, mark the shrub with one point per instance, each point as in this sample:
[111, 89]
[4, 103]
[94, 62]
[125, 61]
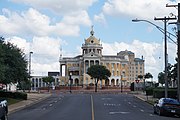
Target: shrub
[15, 95]
[149, 91]
[160, 92]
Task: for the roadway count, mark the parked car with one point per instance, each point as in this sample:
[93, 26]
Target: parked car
[3, 109]
[167, 106]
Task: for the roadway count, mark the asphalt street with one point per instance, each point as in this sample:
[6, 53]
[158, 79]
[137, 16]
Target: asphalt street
[89, 107]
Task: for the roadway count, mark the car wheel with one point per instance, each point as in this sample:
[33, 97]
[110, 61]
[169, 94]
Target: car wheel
[159, 112]
[155, 111]
[5, 117]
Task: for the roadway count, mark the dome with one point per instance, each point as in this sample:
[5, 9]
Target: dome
[92, 39]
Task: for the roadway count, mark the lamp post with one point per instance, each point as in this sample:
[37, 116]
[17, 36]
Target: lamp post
[30, 63]
[70, 80]
[159, 28]
[121, 83]
[164, 31]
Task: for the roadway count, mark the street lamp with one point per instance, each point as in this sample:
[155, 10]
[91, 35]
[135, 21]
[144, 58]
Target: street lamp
[30, 63]
[121, 83]
[164, 31]
[159, 28]
[70, 80]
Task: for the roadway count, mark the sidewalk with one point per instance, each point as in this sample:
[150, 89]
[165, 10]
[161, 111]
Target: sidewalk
[32, 98]
[144, 97]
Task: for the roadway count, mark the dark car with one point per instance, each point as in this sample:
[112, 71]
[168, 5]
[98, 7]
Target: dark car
[167, 106]
[3, 109]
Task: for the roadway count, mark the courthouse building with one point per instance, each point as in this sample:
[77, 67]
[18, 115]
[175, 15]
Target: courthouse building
[124, 67]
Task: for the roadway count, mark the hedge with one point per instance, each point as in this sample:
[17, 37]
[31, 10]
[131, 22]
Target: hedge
[149, 91]
[160, 92]
[15, 95]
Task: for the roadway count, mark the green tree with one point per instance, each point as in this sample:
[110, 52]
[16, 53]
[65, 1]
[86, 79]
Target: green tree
[140, 77]
[144, 77]
[2, 65]
[174, 71]
[171, 74]
[98, 72]
[48, 80]
[148, 75]
[13, 65]
[161, 76]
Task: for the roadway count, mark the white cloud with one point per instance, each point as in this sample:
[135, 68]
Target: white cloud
[33, 23]
[100, 18]
[59, 6]
[81, 17]
[20, 42]
[45, 55]
[142, 9]
[153, 53]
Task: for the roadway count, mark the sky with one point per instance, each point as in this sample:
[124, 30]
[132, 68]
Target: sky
[49, 28]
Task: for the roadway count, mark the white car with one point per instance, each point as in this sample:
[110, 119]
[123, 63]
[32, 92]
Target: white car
[3, 109]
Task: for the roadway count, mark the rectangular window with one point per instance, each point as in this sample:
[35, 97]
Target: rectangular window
[123, 65]
[112, 65]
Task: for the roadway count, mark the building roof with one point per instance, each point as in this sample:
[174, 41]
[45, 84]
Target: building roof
[113, 56]
[125, 52]
[138, 60]
[53, 73]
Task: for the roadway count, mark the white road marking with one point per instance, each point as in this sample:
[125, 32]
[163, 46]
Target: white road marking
[142, 110]
[151, 115]
[134, 106]
[92, 108]
[50, 105]
[118, 113]
[106, 98]
[107, 104]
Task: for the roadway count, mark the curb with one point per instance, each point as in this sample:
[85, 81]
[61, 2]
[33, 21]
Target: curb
[25, 103]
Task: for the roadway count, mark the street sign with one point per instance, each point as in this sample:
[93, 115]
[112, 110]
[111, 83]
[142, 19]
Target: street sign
[137, 81]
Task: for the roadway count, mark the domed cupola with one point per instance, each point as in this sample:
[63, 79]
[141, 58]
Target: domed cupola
[92, 39]
[92, 44]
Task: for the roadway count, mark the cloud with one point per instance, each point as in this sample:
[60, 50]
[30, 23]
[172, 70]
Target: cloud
[76, 18]
[33, 23]
[20, 43]
[46, 51]
[59, 6]
[142, 9]
[152, 53]
[100, 18]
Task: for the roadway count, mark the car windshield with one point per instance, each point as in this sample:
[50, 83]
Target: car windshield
[171, 101]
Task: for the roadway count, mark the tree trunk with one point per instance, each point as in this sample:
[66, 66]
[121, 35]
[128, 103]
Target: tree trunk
[144, 86]
[6, 88]
[95, 87]
[96, 82]
[48, 88]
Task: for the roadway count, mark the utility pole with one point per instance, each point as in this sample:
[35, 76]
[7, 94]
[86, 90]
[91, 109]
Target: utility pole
[30, 63]
[165, 19]
[178, 49]
[178, 52]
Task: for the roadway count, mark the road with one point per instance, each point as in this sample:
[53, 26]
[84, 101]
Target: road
[89, 107]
